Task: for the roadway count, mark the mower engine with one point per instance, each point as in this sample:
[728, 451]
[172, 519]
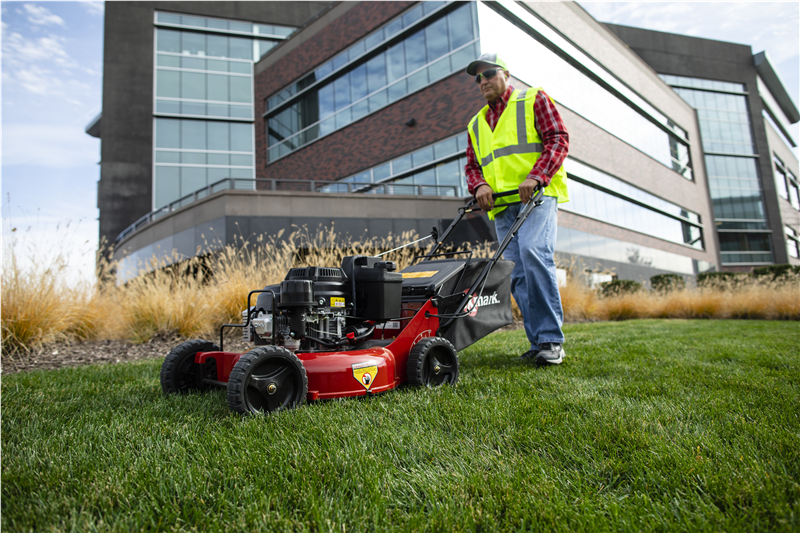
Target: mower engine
[322, 308]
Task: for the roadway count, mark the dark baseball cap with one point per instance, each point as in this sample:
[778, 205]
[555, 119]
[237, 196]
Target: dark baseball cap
[491, 58]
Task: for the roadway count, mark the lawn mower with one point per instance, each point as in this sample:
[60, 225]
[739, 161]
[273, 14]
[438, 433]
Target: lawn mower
[356, 330]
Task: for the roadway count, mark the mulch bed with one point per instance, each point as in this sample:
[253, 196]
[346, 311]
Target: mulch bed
[111, 352]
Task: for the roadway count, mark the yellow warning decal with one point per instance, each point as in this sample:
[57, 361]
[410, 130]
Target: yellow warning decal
[426, 274]
[337, 301]
[365, 373]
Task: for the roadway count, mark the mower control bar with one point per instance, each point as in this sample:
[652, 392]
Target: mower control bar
[535, 202]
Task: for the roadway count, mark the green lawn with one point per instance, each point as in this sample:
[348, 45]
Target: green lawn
[648, 425]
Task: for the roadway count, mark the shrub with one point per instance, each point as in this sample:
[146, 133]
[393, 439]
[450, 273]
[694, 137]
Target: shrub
[783, 272]
[620, 286]
[715, 279]
[667, 282]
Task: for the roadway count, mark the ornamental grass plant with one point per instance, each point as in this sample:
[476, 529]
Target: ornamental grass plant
[193, 297]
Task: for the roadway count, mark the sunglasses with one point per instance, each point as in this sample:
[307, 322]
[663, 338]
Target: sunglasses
[488, 74]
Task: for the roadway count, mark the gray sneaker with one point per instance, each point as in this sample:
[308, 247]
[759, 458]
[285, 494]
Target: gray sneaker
[550, 353]
[528, 356]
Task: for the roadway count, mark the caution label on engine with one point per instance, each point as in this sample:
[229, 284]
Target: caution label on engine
[426, 274]
[337, 301]
[365, 373]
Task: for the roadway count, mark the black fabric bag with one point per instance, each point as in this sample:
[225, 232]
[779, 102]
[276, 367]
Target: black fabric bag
[489, 309]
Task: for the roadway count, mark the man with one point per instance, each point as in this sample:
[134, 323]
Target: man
[518, 141]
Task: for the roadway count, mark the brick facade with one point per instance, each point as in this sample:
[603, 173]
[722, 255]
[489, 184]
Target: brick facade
[441, 110]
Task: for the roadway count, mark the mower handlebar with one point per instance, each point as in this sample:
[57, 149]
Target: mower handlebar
[536, 194]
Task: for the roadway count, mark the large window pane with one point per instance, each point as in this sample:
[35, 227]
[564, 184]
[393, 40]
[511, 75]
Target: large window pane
[168, 83]
[217, 87]
[341, 92]
[192, 179]
[193, 134]
[217, 46]
[436, 39]
[376, 73]
[168, 133]
[240, 89]
[219, 136]
[358, 83]
[168, 41]
[241, 137]
[460, 26]
[193, 43]
[396, 62]
[193, 85]
[167, 185]
[240, 48]
[415, 51]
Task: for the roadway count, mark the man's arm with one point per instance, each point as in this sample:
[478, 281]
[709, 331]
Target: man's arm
[476, 185]
[555, 141]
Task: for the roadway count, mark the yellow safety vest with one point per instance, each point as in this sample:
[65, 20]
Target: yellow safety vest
[508, 153]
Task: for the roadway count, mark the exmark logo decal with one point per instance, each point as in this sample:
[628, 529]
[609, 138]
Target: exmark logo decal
[479, 301]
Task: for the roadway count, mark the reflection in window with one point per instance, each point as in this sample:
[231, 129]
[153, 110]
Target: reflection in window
[593, 246]
[724, 121]
[780, 180]
[589, 201]
[435, 170]
[792, 242]
[437, 49]
[193, 154]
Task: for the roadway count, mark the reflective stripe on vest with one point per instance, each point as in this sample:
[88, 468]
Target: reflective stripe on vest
[505, 173]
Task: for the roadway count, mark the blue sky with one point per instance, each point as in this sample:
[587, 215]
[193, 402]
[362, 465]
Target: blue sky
[51, 89]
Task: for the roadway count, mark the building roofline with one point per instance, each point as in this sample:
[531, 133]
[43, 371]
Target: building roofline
[93, 127]
[775, 85]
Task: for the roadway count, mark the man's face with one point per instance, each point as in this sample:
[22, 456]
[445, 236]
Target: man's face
[493, 88]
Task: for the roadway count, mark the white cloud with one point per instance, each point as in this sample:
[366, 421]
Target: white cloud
[41, 16]
[94, 8]
[22, 51]
[48, 145]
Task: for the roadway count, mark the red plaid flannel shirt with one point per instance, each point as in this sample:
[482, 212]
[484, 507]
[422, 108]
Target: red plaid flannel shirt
[551, 130]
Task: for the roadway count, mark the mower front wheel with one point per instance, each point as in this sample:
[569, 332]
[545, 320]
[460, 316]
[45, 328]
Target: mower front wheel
[179, 372]
[267, 379]
[433, 362]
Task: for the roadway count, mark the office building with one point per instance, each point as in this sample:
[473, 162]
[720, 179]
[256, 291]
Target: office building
[745, 113]
[360, 121]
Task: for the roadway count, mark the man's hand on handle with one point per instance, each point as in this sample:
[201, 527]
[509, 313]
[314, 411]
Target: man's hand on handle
[484, 197]
[526, 190]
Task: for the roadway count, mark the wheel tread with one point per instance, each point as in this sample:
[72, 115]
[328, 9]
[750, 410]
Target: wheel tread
[176, 356]
[241, 369]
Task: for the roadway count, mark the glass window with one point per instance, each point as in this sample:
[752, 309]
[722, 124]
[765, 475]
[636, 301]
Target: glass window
[168, 133]
[415, 51]
[168, 41]
[396, 62]
[192, 178]
[217, 87]
[217, 45]
[381, 80]
[193, 43]
[168, 83]
[575, 89]
[240, 89]
[780, 182]
[167, 185]
[794, 196]
[240, 48]
[459, 23]
[241, 137]
[436, 39]
[219, 136]
[376, 73]
[193, 134]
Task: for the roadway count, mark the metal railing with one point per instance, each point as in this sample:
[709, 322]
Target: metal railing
[294, 185]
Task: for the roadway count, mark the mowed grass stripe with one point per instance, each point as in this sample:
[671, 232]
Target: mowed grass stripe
[649, 425]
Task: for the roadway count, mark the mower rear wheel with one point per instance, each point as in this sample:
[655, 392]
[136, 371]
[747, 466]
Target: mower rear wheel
[179, 372]
[433, 362]
[265, 380]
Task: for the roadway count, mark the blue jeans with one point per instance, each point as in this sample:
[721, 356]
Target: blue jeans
[533, 280]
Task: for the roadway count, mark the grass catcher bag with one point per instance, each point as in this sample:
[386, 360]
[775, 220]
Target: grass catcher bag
[487, 310]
